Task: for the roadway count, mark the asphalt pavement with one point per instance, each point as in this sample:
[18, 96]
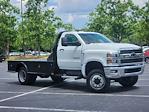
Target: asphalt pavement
[70, 96]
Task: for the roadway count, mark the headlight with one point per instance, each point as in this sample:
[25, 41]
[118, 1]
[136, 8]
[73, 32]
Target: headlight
[112, 58]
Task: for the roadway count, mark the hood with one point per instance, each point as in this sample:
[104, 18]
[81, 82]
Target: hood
[111, 46]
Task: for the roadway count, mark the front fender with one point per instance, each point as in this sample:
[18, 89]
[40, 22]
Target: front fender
[90, 60]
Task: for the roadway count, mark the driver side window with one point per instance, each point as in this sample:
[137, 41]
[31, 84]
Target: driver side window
[69, 40]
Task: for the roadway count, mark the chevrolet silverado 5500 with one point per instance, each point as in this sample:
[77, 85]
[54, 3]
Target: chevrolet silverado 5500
[87, 55]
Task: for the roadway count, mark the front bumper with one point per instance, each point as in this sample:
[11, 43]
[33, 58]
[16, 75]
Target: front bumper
[123, 71]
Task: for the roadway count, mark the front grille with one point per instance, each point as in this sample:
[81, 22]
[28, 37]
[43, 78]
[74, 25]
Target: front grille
[131, 51]
[132, 70]
[131, 56]
[131, 60]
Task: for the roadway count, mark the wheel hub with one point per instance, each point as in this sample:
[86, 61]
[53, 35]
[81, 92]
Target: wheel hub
[97, 81]
[22, 76]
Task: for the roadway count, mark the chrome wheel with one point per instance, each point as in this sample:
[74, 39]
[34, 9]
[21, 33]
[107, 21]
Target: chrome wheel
[97, 81]
[22, 76]
[25, 78]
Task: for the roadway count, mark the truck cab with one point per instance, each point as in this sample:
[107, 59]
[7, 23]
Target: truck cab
[76, 50]
[96, 58]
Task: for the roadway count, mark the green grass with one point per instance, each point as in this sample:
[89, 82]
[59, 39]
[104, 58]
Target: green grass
[13, 58]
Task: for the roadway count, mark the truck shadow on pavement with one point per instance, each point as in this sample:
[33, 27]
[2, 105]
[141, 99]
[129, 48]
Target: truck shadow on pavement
[42, 83]
[74, 86]
[81, 87]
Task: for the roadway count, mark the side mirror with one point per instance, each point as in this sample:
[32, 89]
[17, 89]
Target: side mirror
[64, 42]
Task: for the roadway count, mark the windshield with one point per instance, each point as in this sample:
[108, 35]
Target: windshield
[89, 38]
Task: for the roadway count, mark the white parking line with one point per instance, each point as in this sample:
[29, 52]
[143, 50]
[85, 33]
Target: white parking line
[96, 94]
[142, 85]
[21, 92]
[46, 109]
[7, 78]
[74, 94]
[143, 79]
[17, 96]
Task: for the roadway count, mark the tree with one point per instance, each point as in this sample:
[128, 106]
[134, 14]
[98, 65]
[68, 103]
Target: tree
[146, 22]
[114, 18]
[34, 17]
[7, 25]
[39, 26]
[140, 34]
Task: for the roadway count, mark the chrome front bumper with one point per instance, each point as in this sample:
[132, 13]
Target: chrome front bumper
[123, 71]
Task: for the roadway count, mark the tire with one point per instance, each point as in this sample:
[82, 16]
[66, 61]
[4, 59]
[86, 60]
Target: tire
[147, 59]
[128, 81]
[57, 78]
[97, 82]
[25, 78]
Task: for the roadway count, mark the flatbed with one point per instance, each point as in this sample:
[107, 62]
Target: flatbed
[42, 68]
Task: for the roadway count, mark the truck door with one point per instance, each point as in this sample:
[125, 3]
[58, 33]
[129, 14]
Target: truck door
[69, 53]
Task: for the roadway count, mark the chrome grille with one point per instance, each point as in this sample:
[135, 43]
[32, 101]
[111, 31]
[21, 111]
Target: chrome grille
[131, 51]
[131, 56]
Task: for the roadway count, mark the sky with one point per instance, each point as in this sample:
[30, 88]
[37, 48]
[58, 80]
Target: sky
[74, 11]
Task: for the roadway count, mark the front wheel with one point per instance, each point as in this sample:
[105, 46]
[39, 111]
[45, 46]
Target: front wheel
[25, 78]
[97, 82]
[128, 81]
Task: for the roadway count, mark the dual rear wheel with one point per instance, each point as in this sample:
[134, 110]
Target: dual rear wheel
[28, 79]
[25, 78]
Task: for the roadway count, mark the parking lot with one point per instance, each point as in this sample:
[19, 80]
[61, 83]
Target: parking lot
[70, 96]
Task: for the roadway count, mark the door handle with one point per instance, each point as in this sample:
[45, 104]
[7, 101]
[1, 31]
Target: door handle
[61, 50]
